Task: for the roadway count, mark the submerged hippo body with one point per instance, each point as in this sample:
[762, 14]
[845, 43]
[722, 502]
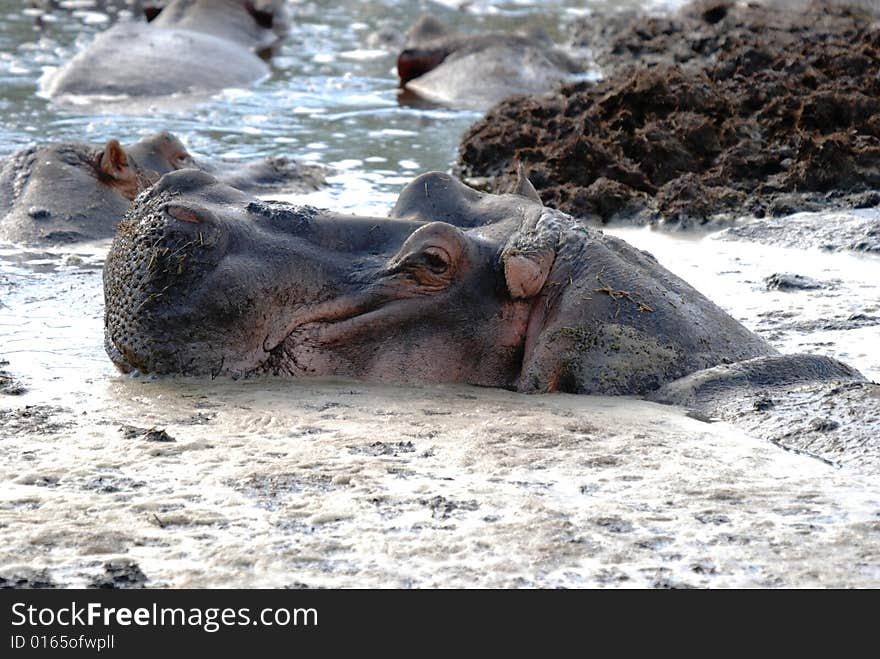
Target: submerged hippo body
[61, 193]
[457, 286]
[478, 71]
[190, 47]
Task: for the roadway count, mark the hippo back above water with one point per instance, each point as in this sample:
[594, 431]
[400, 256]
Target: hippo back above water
[190, 47]
[477, 71]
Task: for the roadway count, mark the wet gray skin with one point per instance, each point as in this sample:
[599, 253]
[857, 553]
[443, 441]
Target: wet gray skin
[477, 71]
[456, 286]
[189, 46]
[61, 193]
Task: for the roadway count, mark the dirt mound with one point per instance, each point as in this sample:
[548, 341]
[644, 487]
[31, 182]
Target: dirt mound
[702, 30]
[729, 111]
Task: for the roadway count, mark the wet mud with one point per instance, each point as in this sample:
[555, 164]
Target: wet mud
[715, 113]
[284, 489]
[856, 231]
[9, 385]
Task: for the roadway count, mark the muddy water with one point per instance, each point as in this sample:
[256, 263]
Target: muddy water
[340, 484]
[334, 483]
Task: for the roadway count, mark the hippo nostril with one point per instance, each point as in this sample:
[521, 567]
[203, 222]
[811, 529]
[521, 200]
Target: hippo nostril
[183, 214]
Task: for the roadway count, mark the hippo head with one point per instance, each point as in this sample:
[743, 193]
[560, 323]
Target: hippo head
[428, 43]
[115, 166]
[71, 191]
[456, 286]
[125, 170]
[257, 24]
[476, 71]
[204, 279]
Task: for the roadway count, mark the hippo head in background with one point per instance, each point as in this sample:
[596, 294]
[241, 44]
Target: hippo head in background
[59, 193]
[428, 43]
[257, 24]
[456, 286]
[72, 191]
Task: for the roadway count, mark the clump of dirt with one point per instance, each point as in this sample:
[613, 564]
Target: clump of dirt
[146, 434]
[274, 491]
[442, 508]
[9, 386]
[718, 112]
[26, 580]
[783, 281]
[34, 420]
[120, 574]
[383, 448]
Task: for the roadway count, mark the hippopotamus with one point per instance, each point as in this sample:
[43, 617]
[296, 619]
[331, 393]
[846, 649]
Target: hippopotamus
[61, 193]
[502, 291]
[187, 47]
[477, 71]
[456, 286]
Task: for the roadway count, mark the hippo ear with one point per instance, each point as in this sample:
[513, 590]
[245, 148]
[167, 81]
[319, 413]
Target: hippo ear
[263, 13]
[525, 275]
[153, 9]
[523, 186]
[114, 162]
[529, 255]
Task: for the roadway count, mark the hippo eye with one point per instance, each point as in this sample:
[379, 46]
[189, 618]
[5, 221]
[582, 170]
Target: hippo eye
[437, 259]
[181, 160]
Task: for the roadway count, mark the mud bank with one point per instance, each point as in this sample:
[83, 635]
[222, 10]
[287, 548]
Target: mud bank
[308, 483]
[715, 113]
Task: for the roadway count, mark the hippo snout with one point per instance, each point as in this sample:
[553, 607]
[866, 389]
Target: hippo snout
[165, 247]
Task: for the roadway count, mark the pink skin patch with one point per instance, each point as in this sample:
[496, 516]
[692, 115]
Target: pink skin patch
[183, 214]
